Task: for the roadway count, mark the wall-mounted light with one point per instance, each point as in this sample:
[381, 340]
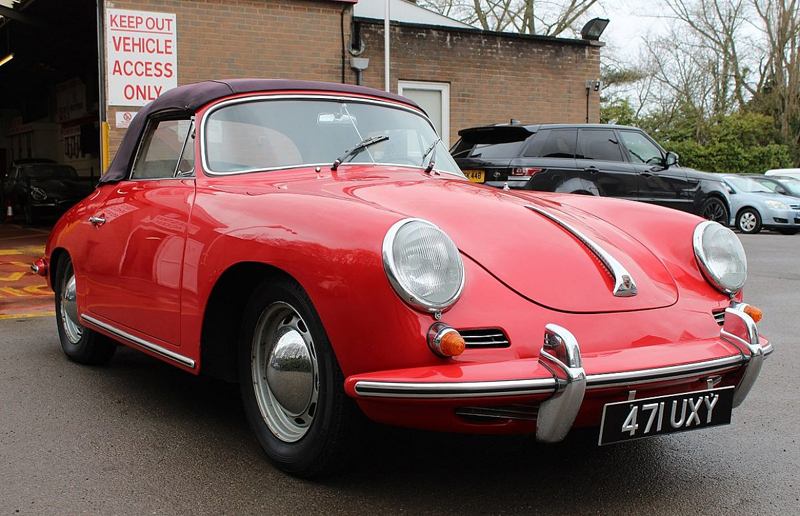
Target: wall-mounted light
[594, 29]
[6, 59]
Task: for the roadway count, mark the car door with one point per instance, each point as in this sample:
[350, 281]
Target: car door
[602, 164]
[549, 160]
[140, 228]
[657, 184]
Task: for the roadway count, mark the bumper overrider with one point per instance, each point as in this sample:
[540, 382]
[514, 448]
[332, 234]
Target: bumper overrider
[558, 377]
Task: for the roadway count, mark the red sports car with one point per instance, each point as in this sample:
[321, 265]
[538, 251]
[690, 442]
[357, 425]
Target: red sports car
[316, 243]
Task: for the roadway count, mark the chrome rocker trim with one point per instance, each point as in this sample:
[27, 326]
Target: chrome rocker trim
[136, 341]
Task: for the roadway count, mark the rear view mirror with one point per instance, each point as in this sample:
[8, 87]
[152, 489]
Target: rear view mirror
[336, 119]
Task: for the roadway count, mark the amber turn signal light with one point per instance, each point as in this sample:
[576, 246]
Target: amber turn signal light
[753, 312]
[445, 340]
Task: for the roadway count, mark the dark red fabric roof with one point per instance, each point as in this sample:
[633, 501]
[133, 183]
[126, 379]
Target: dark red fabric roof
[190, 98]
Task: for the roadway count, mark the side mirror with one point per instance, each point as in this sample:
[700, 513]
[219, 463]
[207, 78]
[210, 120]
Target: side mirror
[671, 159]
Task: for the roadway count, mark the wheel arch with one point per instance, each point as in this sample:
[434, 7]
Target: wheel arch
[224, 315]
[55, 256]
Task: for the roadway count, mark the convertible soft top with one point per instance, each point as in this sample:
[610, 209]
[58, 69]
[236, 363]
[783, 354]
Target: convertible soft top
[188, 99]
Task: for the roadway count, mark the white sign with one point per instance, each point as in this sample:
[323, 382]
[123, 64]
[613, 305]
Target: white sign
[141, 56]
[124, 119]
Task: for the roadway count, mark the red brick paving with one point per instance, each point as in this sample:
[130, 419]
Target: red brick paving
[22, 293]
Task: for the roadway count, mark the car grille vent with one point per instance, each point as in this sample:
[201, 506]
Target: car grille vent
[794, 206]
[485, 338]
[719, 316]
[520, 411]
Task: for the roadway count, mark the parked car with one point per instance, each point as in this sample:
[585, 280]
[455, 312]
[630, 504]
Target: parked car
[755, 206]
[780, 184]
[317, 243]
[37, 188]
[604, 160]
[784, 172]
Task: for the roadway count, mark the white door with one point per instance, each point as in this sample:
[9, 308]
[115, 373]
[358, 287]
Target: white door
[434, 98]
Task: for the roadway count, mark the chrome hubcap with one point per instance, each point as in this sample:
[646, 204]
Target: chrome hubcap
[747, 222]
[285, 372]
[69, 307]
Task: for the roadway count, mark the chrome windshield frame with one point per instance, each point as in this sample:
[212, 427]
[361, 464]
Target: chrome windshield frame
[202, 129]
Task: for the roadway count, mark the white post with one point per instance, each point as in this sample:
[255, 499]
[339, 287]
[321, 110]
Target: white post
[386, 42]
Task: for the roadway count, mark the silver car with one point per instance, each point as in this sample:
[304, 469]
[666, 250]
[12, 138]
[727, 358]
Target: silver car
[754, 206]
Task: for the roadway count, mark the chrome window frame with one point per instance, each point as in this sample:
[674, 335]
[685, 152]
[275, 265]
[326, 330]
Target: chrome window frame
[323, 97]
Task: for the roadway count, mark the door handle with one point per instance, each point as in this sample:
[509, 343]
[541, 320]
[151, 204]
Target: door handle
[647, 174]
[591, 170]
[97, 221]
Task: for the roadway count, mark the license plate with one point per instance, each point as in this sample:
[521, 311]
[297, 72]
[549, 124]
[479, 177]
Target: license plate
[476, 176]
[636, 419]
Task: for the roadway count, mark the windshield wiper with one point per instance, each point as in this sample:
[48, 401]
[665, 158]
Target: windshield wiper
[358, 148]
[432, 162]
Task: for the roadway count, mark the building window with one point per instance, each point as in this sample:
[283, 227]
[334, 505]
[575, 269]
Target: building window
[434, 98]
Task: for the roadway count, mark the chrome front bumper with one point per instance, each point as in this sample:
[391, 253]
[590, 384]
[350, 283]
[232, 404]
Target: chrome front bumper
[561, 356]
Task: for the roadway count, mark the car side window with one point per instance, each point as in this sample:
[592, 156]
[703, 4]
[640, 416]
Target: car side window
[555, 143]
[599, 144]
[166, 151]
[641, 148]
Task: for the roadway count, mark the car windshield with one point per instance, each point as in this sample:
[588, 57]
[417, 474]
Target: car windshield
[792, 186]
[282, 133]
[48, 171]
[745, 184]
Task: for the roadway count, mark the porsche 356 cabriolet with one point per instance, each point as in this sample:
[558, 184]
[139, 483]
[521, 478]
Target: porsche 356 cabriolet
[317, 244]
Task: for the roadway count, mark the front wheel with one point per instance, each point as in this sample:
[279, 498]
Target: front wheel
[715, 210]
[748, 221]
[292, 387]
[79, 343]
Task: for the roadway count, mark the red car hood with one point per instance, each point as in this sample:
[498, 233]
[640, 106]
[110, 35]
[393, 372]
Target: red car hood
[522, 248]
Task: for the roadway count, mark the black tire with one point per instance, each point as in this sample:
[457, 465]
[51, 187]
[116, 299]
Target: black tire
[80, 344]
[304, 434]
[748, 221]
[714, 209]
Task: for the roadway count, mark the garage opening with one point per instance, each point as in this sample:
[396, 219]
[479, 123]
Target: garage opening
[49, 87]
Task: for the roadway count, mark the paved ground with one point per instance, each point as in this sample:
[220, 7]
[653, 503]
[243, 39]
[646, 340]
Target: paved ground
[140, 437]
[22, 293]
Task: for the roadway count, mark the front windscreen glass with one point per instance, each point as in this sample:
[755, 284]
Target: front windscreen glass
[745, 184]
[268, 134]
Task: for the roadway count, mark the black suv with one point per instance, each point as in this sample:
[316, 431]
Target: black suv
[608, 160]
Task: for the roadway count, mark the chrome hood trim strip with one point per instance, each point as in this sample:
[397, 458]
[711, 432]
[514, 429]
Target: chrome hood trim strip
[136, 341]
[624, 285]
[454, 390]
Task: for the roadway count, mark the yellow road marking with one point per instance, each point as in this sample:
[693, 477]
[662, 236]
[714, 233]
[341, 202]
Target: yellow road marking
[26, 316]
[14, 276]
[26, 250]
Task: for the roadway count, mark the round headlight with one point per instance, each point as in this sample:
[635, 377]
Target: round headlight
[423, 265]
[721, 257]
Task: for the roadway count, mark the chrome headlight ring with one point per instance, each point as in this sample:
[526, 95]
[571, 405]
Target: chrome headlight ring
[423, 265]
[721, 257]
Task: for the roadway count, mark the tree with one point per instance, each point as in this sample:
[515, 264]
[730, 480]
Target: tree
[542, 17]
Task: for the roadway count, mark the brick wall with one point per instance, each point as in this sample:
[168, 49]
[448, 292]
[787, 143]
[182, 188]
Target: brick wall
[492, 77]
[224, 39]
